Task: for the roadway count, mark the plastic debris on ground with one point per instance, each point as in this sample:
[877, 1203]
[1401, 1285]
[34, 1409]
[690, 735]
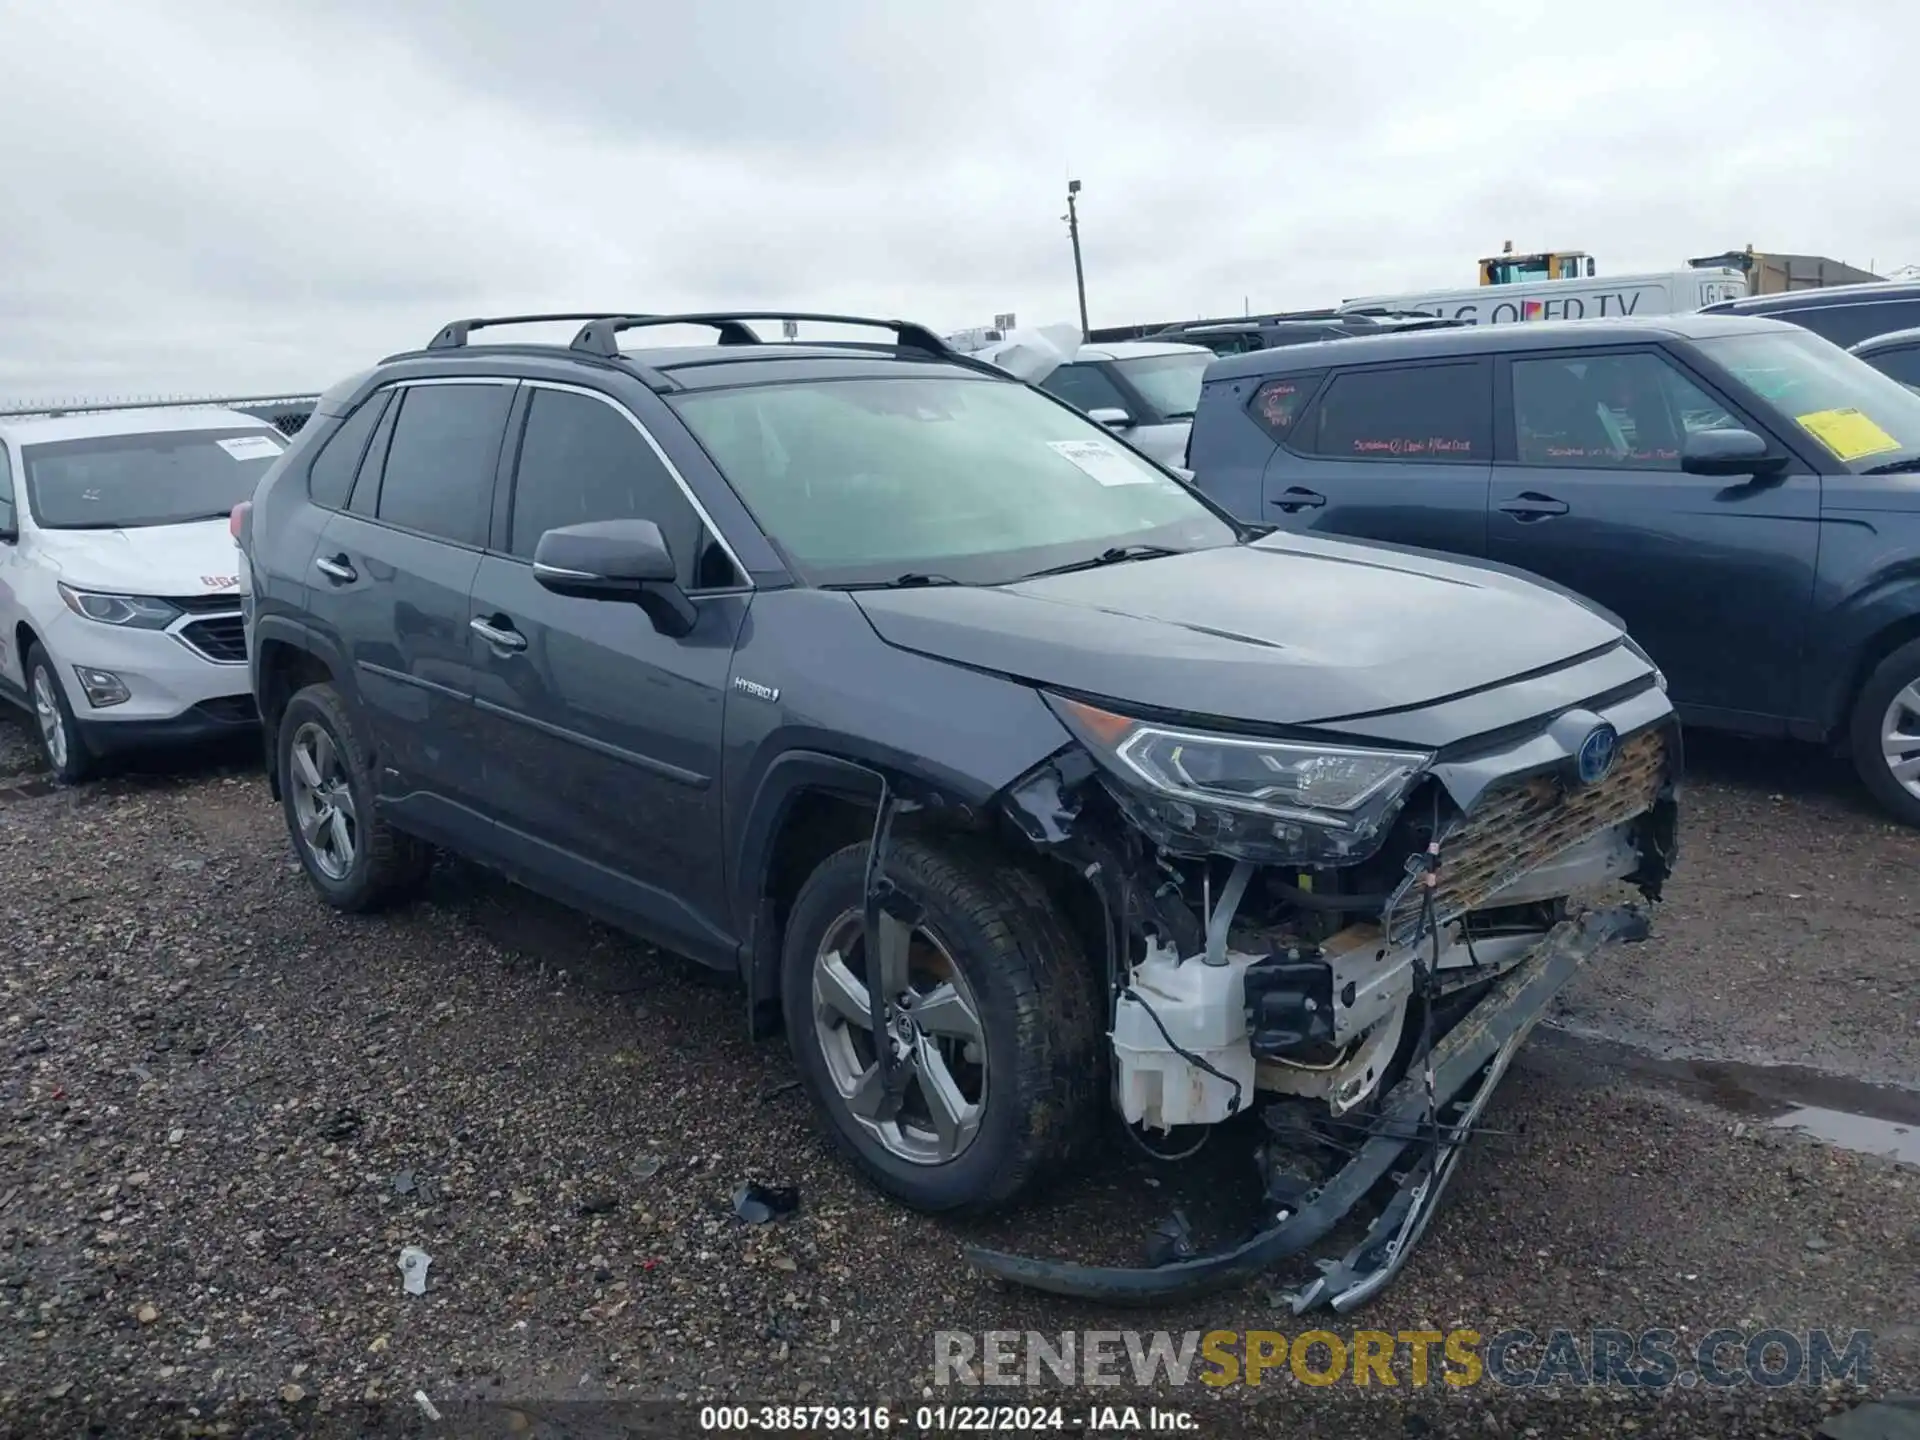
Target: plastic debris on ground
[763, 1204]
[413, 1269]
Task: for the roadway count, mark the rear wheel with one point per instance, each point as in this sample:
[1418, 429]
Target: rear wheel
[1886, 733]
[990, 1013]
[60, 739]
[353, 857]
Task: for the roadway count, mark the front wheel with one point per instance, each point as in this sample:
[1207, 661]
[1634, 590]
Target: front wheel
[989, 1009]
[1886, 733]
[60, 739]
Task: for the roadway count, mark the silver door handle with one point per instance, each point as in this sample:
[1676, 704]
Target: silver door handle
[336, 569]
[494, 635]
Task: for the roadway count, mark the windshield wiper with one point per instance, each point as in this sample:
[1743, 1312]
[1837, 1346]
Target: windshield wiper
[1894, 467]
[1178, 415]
[912, 580]
[1112, 555]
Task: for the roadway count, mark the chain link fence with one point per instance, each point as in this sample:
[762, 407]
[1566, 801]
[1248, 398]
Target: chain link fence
[287, 413]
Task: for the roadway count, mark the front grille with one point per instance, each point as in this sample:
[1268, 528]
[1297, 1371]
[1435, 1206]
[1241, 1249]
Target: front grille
[222, 638]
[202, 604]
[1518, 827]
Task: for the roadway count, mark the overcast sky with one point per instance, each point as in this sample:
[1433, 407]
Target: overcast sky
[206, 195]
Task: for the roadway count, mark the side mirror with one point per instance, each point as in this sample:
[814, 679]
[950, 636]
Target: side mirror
[1728, 452]
[616, 560]
[1110, 416]
[9, 527]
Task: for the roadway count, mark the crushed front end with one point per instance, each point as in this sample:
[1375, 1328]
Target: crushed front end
[1350, 933]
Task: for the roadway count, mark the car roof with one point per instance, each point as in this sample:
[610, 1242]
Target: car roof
[1820, 297]
[1446, 343]
[1887, 341]
[51, 426]
[1137, 350]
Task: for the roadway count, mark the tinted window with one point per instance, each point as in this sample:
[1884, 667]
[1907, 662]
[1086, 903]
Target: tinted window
[366, 482]
[1085, 387]
[974, 479]
[1902, 364]
[438, 478]
[1850, 324]
[114, 482]
[1277, 404]
[581, 460]
[330, 477]
[1627, 412]
[1429, 412]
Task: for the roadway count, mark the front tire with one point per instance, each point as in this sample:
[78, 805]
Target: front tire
[354, 858]
[61, 742]
[998, 1023]
[1885, 733]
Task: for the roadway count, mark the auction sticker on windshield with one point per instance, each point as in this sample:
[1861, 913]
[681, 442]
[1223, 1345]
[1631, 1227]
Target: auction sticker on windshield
[249, 447]
[1849, 434]
[1102, 462]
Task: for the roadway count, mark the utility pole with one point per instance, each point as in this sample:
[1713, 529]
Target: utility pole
[1072, 217]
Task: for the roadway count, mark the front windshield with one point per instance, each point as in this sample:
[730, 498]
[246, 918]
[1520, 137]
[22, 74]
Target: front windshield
[973, 480]
[1169, 383]
[114, 482]
[1862, 417]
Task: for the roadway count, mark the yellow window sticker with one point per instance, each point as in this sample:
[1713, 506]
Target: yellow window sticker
[1847, 433]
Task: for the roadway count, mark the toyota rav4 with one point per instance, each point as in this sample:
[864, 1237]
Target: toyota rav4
[1012, 776]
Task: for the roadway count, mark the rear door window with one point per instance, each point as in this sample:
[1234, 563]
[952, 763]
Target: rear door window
[440, 463]
[1427, 413]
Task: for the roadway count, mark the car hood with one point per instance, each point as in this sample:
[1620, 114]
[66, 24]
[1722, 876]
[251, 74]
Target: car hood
[198, 558]
[1291, 630]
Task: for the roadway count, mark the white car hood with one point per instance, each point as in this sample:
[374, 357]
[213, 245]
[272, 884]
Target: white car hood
[197, 558]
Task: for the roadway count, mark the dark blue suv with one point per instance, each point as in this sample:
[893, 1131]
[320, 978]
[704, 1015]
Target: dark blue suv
[1012, 776]
[1744, 495]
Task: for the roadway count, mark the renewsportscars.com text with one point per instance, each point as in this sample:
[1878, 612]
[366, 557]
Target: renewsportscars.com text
[1652, 1359]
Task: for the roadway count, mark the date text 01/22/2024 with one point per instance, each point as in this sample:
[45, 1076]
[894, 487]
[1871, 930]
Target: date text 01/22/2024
[946, 1419]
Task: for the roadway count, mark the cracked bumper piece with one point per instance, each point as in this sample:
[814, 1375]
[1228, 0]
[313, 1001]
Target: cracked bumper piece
[1467, 1064]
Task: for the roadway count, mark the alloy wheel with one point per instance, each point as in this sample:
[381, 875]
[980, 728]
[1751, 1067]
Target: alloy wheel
[323, 801]
[53, 725]
[930, 1027]
[1900, 738]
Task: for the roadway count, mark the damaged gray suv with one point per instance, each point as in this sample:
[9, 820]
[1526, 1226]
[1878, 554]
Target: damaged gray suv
[1018, 781]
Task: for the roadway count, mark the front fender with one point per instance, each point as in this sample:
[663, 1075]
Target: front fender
[1889, 599]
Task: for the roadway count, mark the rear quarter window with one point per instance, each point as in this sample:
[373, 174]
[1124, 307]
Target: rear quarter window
[330, 476]
[1277, 405]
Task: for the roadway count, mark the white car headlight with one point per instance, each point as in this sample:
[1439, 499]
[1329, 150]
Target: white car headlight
[1279, 801]
[138, 612]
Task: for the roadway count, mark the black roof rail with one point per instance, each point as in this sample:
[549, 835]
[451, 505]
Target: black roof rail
[453, 334]
[600, 336]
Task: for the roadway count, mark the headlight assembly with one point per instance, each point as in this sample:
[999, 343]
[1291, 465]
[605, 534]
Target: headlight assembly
[1275, 801]
[137, 612]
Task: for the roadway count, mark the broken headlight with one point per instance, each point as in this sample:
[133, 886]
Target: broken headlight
[1273, 801]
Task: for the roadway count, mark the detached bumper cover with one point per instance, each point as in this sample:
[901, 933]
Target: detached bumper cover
[1467, 1065]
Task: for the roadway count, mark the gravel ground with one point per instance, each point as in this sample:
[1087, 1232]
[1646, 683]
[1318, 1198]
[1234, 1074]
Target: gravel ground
[225, 1110]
